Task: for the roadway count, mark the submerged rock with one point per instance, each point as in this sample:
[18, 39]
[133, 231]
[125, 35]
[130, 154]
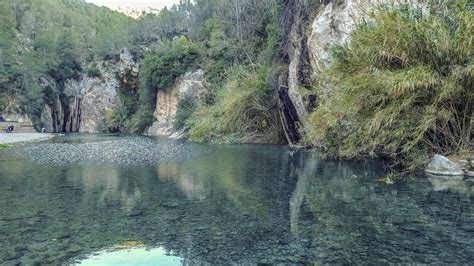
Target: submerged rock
[442, 183]
[441, 165]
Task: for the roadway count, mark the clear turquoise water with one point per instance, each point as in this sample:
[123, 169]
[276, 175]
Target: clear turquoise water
[92, 199]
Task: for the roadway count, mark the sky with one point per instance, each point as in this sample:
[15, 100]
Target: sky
[134, 4]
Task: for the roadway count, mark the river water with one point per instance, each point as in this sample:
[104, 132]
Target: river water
[130, 200]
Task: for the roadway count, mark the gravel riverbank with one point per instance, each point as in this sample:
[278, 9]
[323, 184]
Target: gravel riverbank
[10, 138]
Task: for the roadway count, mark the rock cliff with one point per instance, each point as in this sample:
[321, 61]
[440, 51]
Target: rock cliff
[311, 29]
[85, 102]
[191, 85]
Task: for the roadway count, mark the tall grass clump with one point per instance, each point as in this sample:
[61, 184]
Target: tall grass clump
[245, 112]
[403, 86]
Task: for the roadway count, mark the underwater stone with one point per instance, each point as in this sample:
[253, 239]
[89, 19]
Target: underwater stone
[170, 204]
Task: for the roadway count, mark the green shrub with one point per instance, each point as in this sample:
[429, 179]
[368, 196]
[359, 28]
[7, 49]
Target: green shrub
[141, 120]
[127, 92]
[33, 102]
[3, 146]
[186, 108]
[402, 87]
[160, 69]
[93, 72]
[470, 164]
[3, 102]
[115, 120]
[245, 112]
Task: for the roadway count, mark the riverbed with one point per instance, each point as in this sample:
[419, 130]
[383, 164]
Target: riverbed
[12, 138]
[109, 199]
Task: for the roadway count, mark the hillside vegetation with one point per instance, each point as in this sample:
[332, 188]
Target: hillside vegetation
[52, 40]
[403, 87]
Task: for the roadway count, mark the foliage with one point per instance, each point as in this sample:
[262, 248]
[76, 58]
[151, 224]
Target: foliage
[141, 120]
[7, 38]
[119, 118]
[403, 87]
[244, 112]
[127, 92]
[470, 164]
[52, 39]
[115, 120]
[239, 104]
[162, 67]
[93, 72]
[186, 107]
[67, 65]
[3, 146]
[159, 70]
[34, 102]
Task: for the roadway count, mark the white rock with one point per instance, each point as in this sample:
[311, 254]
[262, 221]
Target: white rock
[441, 165]
[190, 84]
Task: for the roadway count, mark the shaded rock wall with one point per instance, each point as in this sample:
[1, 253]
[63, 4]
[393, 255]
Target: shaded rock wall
[293, 107]
[21, 123]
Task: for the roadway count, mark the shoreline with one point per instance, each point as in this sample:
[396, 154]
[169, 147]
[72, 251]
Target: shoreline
[15, 138]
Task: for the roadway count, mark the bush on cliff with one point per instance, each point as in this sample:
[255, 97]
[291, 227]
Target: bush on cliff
[239, 105]
[141, 120]
[186, 108]
[169, 61]
[245, 112]
[402, 87]
[93, 72]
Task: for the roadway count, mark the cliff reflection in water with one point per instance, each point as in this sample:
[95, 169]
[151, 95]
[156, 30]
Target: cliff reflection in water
[230, 204]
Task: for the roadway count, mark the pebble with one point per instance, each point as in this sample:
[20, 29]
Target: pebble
[125, 151]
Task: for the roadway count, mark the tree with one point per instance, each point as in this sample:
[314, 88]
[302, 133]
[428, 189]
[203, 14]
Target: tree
[67, 63]
[7, 42]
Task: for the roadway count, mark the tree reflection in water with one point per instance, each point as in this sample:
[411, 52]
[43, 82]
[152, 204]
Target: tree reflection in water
[238, 204]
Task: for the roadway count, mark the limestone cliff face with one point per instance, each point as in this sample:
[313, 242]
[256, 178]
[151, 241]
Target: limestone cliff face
[85, 102]
[190, 84]
[333, 25]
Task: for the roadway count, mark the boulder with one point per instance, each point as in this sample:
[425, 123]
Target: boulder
[441, 165]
